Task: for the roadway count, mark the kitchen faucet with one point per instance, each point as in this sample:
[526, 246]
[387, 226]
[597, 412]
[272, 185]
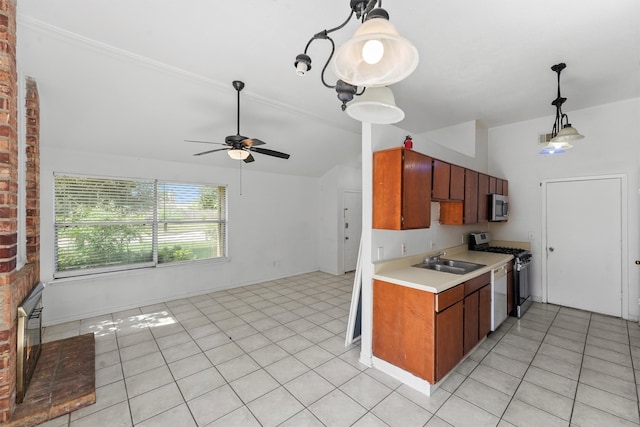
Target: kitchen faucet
[435, 258]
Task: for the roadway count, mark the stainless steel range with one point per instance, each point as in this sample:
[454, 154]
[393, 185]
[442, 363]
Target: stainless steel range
[521, 269]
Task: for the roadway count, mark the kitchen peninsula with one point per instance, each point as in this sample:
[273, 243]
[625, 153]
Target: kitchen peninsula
[425, 321]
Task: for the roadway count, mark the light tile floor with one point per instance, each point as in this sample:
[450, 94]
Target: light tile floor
[273, 354]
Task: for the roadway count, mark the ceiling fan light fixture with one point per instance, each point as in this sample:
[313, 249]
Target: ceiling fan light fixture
[238, 154]
[376, 55]
[376, 105]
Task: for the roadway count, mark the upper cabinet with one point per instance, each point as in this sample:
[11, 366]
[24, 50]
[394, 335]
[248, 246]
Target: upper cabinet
[401, 189]
[483, 199]
[470, 197]
[457, 189]
[441, 180]
[405, 182]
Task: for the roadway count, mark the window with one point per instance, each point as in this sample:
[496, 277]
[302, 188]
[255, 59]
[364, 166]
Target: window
[109, 224]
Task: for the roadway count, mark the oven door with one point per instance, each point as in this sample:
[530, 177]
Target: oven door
[522, 283]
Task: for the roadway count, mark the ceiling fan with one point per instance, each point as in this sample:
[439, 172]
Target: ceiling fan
[240, 147]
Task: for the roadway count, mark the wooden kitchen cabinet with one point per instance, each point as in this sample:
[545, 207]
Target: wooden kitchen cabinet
[483, 198]
[441, 180]
[470, 197]
[456, 185]
[449, 336]
[401, 189]
[477, 310]
[404, 331]
[471, 316]
[428, 334]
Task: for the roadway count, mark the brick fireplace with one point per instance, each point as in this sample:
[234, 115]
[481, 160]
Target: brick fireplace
[15, 283]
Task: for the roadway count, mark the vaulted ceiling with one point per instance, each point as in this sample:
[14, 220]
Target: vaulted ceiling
[138, 77]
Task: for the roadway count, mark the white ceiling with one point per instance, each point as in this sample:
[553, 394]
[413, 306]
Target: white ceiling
[137, 77]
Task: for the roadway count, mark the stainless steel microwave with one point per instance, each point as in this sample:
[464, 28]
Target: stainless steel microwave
[498, 207]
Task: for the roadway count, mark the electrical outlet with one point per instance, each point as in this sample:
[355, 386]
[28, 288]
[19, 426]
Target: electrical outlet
[432, 244]
[462, 239]
[380, 252]
[404, 249]
[531, 236]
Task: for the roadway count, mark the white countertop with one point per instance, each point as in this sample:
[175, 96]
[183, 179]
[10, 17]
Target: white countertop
[400, 272]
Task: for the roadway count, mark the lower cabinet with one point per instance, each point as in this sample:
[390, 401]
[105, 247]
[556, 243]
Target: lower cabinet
[477, 310]
[449, 334]
[428, 334]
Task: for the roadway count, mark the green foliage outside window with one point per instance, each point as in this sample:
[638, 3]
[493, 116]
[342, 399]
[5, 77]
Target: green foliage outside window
[110, 224]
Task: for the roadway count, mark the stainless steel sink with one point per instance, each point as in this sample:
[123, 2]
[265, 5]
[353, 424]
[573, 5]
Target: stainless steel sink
[450, 266]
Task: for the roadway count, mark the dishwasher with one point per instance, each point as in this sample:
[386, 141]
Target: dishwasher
[499, 296]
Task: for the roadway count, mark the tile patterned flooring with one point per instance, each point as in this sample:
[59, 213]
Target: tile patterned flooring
[273, 354]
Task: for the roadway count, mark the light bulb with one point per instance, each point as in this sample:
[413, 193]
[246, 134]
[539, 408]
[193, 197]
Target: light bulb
[301, 68]
[372, 51]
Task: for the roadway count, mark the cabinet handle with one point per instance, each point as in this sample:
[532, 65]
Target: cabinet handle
[638, 262]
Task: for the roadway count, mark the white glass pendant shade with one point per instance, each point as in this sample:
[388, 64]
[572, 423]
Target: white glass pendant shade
[238, 154]
[566, 134]
[376, 55]
[376, 105]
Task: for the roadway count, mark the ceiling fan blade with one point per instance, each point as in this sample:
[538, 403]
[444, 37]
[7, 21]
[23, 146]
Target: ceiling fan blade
[249, 159]
[211, 151]
[204, 142]
[252, 142]
[270, 152]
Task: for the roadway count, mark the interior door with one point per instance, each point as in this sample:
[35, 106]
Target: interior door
[352, 228]
[584, 244]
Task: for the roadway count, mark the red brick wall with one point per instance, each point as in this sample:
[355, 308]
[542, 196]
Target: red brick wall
[14, 284]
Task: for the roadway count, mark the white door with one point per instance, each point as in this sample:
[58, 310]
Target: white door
[352, 223]
[584, 244]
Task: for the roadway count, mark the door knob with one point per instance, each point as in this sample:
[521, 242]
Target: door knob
[346, 238]
[551, 249]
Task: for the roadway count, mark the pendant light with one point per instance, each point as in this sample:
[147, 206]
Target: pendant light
[376, 105]
[376, 56]
[562, 133]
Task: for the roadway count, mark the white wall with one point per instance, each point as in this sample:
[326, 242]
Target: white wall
[611, 146]
[272, 229]
[331, 235]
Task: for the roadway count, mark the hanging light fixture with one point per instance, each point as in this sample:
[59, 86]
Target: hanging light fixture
[376, 56]
[376, 105]
[562, 133]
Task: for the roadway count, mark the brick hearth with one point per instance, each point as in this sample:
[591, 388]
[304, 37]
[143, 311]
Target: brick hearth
[64, 381]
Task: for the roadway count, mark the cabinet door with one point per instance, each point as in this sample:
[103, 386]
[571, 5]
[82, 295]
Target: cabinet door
[387, 189]
[505, 187]
[449, 349]
[456, 186]
[471, 305]
[484, 311]
[493, 185]
[441, 179]
[416, 190]
[499, 189]
[470, 196]
[483, 192]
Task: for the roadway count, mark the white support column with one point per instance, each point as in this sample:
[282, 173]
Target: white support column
[366, 352]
